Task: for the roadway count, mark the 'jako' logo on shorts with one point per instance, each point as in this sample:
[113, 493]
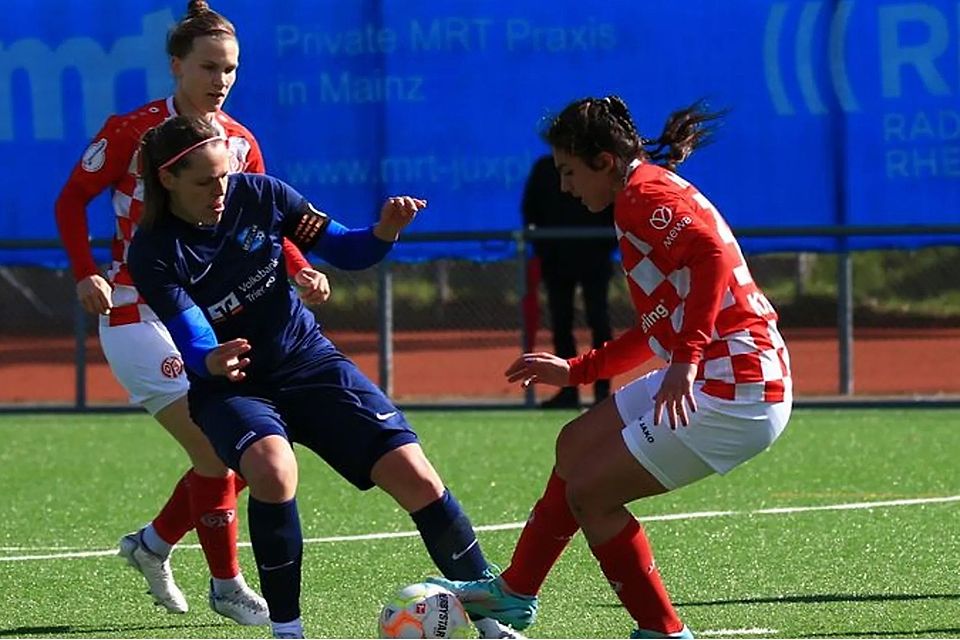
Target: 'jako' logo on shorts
[171, 367]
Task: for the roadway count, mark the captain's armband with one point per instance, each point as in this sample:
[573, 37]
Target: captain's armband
[307, 227]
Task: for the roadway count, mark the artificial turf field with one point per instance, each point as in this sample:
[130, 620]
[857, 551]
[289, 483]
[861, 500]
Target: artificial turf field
[848, 527]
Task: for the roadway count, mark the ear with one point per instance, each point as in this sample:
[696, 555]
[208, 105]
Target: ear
[176, 67]
[167, 179]
[606, 161]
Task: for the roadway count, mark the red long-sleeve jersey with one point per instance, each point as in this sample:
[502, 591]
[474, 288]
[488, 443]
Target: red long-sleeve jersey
[110, 162]
[695, 299]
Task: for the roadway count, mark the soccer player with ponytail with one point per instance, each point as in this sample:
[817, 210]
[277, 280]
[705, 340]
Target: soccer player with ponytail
[724, 396]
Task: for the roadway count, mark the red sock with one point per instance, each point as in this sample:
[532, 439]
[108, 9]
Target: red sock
[239, 484]
[174, 520]
[627, 562]
[546, 534]
[214, 505]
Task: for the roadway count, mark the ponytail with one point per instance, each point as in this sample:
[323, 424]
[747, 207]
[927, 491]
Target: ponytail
[590, 126]
[685, 131]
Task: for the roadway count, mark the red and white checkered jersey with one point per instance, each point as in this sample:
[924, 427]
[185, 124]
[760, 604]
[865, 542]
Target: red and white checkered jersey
[111, 162]
[696, 301]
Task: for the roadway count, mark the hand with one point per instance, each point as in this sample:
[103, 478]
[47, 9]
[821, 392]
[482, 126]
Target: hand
[312, 286]
[95, 294]
[396, 214]
[226, 360]
[676, 388]
[540, 367]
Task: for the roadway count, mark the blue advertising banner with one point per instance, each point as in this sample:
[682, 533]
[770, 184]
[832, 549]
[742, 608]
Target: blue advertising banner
[841, 112]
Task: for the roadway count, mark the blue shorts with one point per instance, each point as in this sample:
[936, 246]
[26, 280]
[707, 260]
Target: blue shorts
[332, 409]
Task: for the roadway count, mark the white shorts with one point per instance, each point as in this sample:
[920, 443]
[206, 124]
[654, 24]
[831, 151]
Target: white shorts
[145, 361]
[722, 433]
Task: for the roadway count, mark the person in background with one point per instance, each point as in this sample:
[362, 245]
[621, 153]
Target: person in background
[566, 263]
[204, 56]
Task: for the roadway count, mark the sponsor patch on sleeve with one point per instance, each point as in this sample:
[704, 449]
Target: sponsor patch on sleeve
[94, 156]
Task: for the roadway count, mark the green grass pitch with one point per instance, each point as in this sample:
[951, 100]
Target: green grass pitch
[745, 556]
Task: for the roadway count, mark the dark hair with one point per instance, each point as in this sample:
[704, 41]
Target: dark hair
[157, 147]
[589, 126]
[200, 21]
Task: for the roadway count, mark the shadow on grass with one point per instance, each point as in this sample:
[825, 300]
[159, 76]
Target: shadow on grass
[950, 632]
[818, 598]
[92, 630]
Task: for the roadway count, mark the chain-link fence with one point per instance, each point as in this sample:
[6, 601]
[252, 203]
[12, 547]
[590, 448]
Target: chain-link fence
[457, 324]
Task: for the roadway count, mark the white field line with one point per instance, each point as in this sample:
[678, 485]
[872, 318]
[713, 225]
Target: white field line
[66, 553]
[726, 633]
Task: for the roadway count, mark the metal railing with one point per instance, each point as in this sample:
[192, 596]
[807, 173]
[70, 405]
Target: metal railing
[519, 239]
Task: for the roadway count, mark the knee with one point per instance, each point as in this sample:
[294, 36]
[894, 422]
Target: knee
[568, 451]
[581, 498]
[408, 476]
[270, 470]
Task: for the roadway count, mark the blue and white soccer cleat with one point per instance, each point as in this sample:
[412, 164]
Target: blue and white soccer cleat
[684, 634]
[242, 605]
[489, 599]
[155, 570]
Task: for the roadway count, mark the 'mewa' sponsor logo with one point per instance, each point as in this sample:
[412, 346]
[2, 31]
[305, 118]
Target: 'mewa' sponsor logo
[674, 232]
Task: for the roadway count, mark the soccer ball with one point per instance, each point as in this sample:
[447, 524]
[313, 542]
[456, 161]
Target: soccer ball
[424, 610]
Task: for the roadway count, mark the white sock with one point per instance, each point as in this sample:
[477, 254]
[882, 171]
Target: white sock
[292, 629]
[228, 585]
[154, 542]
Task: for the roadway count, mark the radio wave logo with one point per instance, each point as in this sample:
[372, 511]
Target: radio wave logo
[804, 53]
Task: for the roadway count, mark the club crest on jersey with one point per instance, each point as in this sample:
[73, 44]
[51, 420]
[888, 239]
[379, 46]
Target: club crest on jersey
[251, 238]
[94, 156]
[661, 217]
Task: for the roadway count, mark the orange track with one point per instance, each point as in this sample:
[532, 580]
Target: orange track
[453, 366]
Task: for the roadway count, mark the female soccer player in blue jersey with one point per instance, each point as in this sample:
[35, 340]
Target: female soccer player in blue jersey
[207, 259]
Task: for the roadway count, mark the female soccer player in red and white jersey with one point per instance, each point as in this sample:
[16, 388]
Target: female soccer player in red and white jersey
[204, 55]
[725, 393]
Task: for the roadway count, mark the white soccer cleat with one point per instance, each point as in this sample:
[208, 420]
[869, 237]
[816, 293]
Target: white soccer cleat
[155, 570]
[244, 606]
[490, 628]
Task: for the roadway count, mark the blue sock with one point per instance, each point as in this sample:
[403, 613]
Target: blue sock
[450, 539]
[278, 548]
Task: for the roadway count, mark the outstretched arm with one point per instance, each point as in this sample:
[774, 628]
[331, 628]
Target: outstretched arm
[625, 352]
[352, 248]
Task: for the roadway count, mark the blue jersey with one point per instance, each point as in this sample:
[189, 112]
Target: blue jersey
[234, 273]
